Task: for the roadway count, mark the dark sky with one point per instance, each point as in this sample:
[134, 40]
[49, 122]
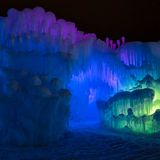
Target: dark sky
[136, 20]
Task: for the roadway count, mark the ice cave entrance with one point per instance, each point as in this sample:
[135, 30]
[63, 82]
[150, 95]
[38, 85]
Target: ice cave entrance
[83, 103]
[83, 112]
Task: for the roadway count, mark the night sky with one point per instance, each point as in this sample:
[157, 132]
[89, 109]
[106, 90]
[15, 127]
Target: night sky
[136, 20]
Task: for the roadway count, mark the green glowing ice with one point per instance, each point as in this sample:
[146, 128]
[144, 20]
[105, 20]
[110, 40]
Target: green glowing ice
[137, 110]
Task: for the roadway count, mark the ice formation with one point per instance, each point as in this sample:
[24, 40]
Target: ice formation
[33, 109]
[37, 42]
[137, 110]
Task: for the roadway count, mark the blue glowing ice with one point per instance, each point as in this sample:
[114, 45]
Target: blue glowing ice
[38, 42]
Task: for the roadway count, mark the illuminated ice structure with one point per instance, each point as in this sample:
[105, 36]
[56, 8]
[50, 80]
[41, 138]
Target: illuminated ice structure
[137, 110]
[136, 107]
[34, 41]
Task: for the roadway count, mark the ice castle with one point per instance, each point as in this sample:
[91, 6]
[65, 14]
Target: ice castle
[50, 59]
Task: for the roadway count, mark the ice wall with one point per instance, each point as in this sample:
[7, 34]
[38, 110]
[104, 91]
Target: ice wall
[33, 109]
[38, 42]
[135, 110]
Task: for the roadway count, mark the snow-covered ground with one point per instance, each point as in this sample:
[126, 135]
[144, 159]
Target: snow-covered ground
[89, 142]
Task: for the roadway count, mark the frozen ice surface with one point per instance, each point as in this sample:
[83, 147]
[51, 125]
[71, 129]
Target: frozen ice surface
[90, 143]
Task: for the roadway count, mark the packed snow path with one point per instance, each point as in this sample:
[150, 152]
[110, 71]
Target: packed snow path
[85, 143]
